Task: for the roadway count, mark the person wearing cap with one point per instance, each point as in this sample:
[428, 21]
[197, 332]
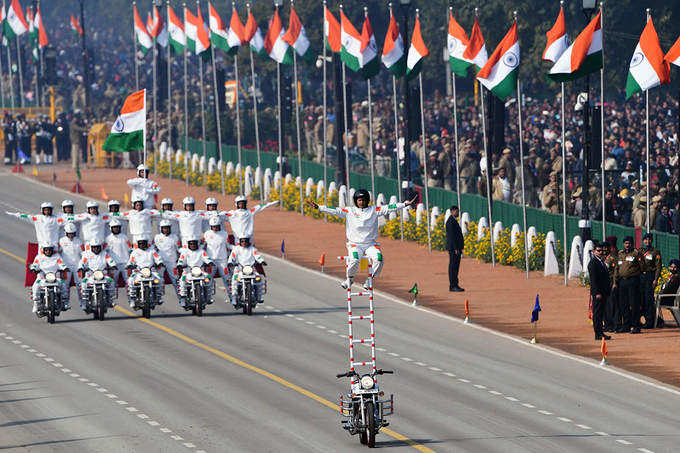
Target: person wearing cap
[114, 211]
[45, 262]
[627, 280]
[506, 162]
[67, 215]
[189, 220]
[144, 255]
[434, 173]
[140, 219]
[650, 267]
[118, 246]
[241, 218]
[167, 243]
[71, 248]
[600, 288]
[612, 313]
[93, 224]
[211, 211]
[550, 196]
[94, 258]
[47, 226]
[190, 256]
[218, 248]
[167, 205]
[43, 139]
[501, 190]
[143, 188]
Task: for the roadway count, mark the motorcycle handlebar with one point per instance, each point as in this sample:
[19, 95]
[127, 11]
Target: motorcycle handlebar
[384, 372]
[347, 374]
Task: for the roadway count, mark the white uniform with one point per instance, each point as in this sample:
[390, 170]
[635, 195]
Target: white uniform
[93, 226]
[118, 247]
[46, 264]
[67, 218]
[140, 223]
[90, 262]
[46, 227]
[189, 258]
[71, 251]
[241, 220]
[217, 247]
[167, 247]
[190, 223]
[174, 224]
[144, 258]
[245, 256]
[361, 226]
[210, 214]
[143, 189]
[119, 216]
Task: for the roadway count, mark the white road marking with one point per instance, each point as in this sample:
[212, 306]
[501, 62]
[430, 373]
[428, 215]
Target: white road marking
[31, 350]
[584, 426]
[406, 359]
[82, 379]
[93, 384]
[58, 365]
[131, 409]
[48, 359]
[176, 437]
[446, 373]
[74, 375]
[463, 380]
[111, 395]
[624, 442]
[480, 386]
[65, 370]
[421, 364]
[333, 332]
[434, 368]
[189, 445]
[601, 433]
[530, 406]
[25, 346]
[564, 419]
[166, 430]
[143, 416]
[321, 327]
[544, 412]
[40, 354]
[299, 319]
[511, 398]
[121, 402]
[393, 354]
[644, 450]
[495, 392]
[311, 323]
[153, 423]
[383, 350]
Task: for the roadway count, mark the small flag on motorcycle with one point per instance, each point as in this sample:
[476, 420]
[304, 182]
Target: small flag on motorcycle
[414, 291]
[322, 260]
[534, 319]
[283, 249]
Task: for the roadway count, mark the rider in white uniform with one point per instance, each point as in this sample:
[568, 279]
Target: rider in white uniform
[241, 218]
[144, 256]
[211, 211]
[114, 211]
[217, 247]
[190, 221]
[191, 256]
[95, 259]
[46, 225]
[118, 247]
[139, 220]
[167, 243]
[93, 224]
[244, 254]
[47, 262]
[71, 248]
[67, 215]
[143, 188]
[166, 205]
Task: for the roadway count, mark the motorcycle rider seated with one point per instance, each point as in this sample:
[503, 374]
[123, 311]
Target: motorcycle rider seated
[244, 254]
[140, 219]
[93, 224]
[241, 218]
[190, 221]
[167, 243]
[46, 225]
[142, 187]
[46, 262]
[191, 256]
[144, 256]
[118, 247]
[361, 225]
[218, 248]
[93, 259]
[71, 249]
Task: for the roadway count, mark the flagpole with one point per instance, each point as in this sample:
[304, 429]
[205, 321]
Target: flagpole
[2, 83]
[186, 108]
[143, 134]
[200, 77]
[521, 169]
[324, 121]
[455, 130]
[297, 125]
[37, 55]
[564, 186]
[604, 216]
[155, 110]
[21, 78]
[167, 26]
[426, 188]
[217, 115]
[257, 129]
[278, 101]
[134, 39]
[489, 168]
[238, 127]
[396, 146]
[344, 111]
[370, 129]
[11, 76]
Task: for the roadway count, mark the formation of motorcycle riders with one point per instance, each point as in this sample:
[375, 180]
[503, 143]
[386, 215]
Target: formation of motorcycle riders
[98, 252]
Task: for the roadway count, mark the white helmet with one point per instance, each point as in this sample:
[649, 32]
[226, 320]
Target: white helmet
[141, 167]
[46, 204]
[165, 223]
[214, 221]
[69, 228]
[114, 222]
[92, 204]
[166, 201]
[209, 201]
[94, 242]
[188, 200]
[239, 199]
[66, 203]
[137, 198]
[113, 203]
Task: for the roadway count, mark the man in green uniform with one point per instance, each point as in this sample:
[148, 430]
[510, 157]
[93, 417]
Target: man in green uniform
[612, 312]
[627, 280]
[650, 268]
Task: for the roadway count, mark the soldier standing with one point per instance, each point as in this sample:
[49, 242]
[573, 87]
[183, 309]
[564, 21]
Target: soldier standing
[651, 271]
[627, 280]
[612, 312]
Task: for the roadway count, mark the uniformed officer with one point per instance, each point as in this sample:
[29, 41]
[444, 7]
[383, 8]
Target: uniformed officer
[627, 278]
[650, 268]
[612, 313]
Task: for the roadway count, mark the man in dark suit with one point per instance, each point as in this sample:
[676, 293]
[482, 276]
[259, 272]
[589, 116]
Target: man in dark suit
[600, 288]
[454, 244]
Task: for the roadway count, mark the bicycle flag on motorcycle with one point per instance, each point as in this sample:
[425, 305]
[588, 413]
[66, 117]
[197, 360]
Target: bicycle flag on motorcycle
[500, 73]
[129, 131]
[647, 67]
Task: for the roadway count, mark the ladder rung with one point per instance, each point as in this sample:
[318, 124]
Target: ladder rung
[363, 363]
[367, 340]
[361, 317]
[361, 294]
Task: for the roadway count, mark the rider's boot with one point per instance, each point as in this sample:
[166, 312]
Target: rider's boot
[346, 284]
[35, 306]
[368, 284]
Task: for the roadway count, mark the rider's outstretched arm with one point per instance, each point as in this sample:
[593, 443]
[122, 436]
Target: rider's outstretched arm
[338, 212]
[262, 206]
[25, 217]
[386, 209]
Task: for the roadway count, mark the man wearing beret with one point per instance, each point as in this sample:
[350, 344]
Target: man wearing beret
[650, 267]
[627, 280]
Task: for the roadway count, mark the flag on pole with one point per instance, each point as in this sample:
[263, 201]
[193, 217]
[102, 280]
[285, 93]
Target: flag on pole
[253, 35]
[393, 56]
[583, 57]
[127, 133]
[350, 40]
[558, 40]
[218, 32]
[75, 26]
[296, 37]
[177, 38]
[534, 312]
[198, 40]
[15, 23]
[42, 34]
[277, 49]
[673, 55]
[283, 247]
[149, 24]
[331, 29]
[416, 52]
[414, 290]
[159, 31]
[648, 69]
[32, 32]
[370, 63]
[236, 33]
[499, 74]
[142, 36]
[476, 48]
[457, 42]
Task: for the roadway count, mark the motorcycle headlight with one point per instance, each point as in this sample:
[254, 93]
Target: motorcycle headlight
[247, 270]
[98, 275]
[146, 272]
[50, 277]
[156, 281]
[196, 271]
[367, 382]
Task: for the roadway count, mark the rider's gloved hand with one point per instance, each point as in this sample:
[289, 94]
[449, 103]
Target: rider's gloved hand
[264, 263]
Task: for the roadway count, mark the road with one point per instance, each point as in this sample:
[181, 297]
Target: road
[227, 382]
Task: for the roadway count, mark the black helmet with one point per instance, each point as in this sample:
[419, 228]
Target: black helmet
[361, 193]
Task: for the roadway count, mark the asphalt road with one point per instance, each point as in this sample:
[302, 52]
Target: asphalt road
[227, 382]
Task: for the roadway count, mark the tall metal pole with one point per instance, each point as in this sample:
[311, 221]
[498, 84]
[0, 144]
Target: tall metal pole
[521, 169]
[604, 211]
[37, 62]
[455, 131]
[324, 120]
[297, 125]
[21, 79]
[155, 105]
[205, 158]
[186, 106]
[134, 39]
[426, 188]
[86, 73]
[344, 111]
[169, 106]
[396, 145]
[489, 171]
[238, 127]
[280, 124]
[218, 117]
[2, 84]
[584, 222]
[257, 129]
[648, 175]
[407, 101]
[370, 129]
[564, 187]
[11, 76]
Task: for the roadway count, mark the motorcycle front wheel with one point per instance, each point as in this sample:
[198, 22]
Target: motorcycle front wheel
[50, 308]
[370, 425]
[146, 308]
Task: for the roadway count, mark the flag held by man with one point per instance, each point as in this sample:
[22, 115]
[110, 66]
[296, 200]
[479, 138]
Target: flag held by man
[127, 133]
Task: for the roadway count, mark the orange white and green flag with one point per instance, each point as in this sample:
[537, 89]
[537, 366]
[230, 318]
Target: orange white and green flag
[456, 43]
[648, 69]
[416, 52]
[127, 133]
[476, 48]
[393, 55]
[558, 40]
[499, 74]
[583, 57]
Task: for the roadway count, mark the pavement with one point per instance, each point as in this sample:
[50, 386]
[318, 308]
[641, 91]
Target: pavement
[227, 382]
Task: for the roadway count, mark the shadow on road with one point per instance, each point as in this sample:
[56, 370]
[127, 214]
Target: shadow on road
[40, 420]
[52, 442]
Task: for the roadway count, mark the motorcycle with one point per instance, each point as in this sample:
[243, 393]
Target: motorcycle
[146, 291]
[50, 302]
[246, 295]
[363, 409]
[199, 290]
[97, 296]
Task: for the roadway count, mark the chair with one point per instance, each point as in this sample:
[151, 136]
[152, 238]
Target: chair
[674, 309]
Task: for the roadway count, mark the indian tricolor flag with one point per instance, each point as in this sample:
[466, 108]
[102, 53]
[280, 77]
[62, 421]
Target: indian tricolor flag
[159, 30]
[198, 40]
[500, 73]
[127, 133]
[277, 49]
[558, 40]
[416, 52]
[673, 55]
[393, 56]
[218, 34]
[141, 35]
[176, 34]
[647, 67]
[370, 63]
[583, 57]
[236, 32]
[15, 23]
[350, 40]
[75, 26]
[253, 35]
[476, 48]
[456, 42]
[331, 30]
[296, 37]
